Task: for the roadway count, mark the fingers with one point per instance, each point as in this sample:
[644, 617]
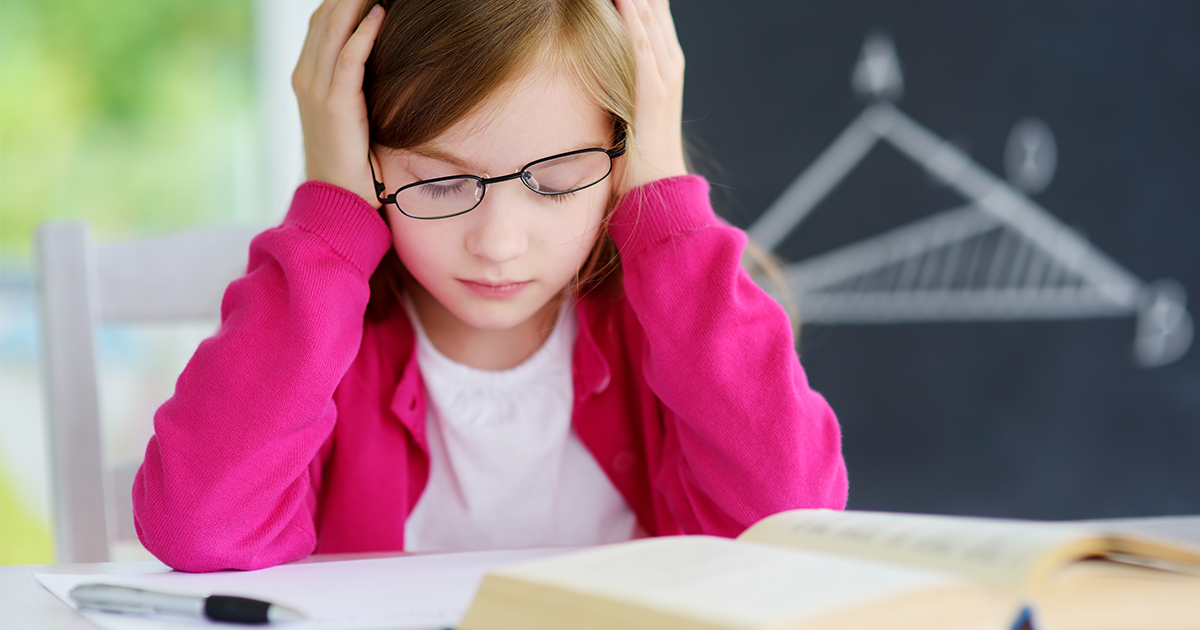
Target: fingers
[652, 31]
[306, 64]
[659, 100]
[661, 28]
[654, 34]
[642, 48]
[322, 13]
[351, 62]
[341, 23]
[629, 13]
[328, 81]
[303, 73]
[667, 24]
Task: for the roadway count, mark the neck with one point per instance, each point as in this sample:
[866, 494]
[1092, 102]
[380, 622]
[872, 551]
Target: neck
[476, 347]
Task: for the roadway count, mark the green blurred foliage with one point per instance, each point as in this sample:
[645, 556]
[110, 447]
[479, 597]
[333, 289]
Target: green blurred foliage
[137, 115]
[24, 539]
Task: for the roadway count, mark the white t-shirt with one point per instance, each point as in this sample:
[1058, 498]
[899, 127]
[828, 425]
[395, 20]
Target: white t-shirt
[506, 468]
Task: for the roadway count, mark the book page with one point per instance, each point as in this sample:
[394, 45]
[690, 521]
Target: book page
[719, 583]
[1014, 554]
[1101, 594]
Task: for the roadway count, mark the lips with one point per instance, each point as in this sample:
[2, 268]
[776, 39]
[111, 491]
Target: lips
[494, 290]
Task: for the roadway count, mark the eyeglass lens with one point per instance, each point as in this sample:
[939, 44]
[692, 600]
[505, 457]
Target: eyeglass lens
[456, 195]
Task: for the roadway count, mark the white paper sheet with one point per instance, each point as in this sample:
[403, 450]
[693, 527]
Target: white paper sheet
[419, 592]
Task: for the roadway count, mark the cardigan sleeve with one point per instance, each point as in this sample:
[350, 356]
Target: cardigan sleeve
[744, 434]
[225, 482]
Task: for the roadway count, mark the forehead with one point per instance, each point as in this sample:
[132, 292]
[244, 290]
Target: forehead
[543, 112]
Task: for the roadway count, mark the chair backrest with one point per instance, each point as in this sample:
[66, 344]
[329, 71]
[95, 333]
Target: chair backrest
[81, 285]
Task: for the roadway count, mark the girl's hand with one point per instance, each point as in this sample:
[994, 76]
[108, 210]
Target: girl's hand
[659, 101]
[328, 83]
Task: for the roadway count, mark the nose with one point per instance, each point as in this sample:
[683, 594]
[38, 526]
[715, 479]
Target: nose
[499, 233]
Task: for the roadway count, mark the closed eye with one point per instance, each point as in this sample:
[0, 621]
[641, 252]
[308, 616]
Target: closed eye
[443, 190]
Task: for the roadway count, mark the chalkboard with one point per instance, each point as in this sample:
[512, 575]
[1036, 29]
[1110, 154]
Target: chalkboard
[1026, 416]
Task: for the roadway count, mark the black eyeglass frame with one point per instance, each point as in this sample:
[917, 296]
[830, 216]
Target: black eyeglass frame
[485, 181]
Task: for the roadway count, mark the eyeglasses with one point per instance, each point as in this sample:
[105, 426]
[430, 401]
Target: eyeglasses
[445, 197]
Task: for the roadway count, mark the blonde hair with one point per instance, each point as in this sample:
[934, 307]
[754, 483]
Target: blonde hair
[435, 61]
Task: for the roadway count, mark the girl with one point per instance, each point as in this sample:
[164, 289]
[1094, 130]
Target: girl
[499, 314]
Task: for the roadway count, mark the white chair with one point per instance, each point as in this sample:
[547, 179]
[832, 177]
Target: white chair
[81, 285]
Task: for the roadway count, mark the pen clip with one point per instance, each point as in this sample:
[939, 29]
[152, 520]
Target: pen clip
[107, 598]
[116, 608]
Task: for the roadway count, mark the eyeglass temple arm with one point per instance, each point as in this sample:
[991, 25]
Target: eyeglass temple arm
[379, 187]
[619, 151]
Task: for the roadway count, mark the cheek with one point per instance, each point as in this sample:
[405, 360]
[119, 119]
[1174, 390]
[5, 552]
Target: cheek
[421, 245]
[579, 229]
[575, 241]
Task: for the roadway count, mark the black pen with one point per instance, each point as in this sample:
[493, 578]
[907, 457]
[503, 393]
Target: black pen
[134, 601]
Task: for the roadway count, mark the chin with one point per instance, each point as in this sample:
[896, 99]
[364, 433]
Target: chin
[498, 316]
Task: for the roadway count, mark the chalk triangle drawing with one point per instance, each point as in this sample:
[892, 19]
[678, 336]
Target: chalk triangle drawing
[999, 257]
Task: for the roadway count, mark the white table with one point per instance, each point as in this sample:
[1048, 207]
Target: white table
[25, 604]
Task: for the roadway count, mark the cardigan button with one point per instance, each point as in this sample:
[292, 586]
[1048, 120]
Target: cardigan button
[624, 461]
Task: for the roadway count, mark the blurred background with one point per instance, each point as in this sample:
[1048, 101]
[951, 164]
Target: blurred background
[145, 117]
[140, 117]
[1021, 417]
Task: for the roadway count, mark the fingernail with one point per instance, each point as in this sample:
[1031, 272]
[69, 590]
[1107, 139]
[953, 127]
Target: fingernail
[375, 10]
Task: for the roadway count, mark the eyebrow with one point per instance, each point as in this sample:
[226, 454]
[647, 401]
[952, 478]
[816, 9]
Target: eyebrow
[435, 153]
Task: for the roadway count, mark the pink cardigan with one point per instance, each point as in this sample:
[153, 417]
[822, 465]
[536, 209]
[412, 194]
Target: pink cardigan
[298, 427]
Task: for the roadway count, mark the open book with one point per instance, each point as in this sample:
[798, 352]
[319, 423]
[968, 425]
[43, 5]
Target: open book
[818, 569]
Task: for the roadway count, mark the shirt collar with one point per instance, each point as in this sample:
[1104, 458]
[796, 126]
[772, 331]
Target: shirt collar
[589, 369]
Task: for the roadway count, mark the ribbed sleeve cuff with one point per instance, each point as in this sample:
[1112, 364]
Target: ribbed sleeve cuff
[659, 210]
[350, 225]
